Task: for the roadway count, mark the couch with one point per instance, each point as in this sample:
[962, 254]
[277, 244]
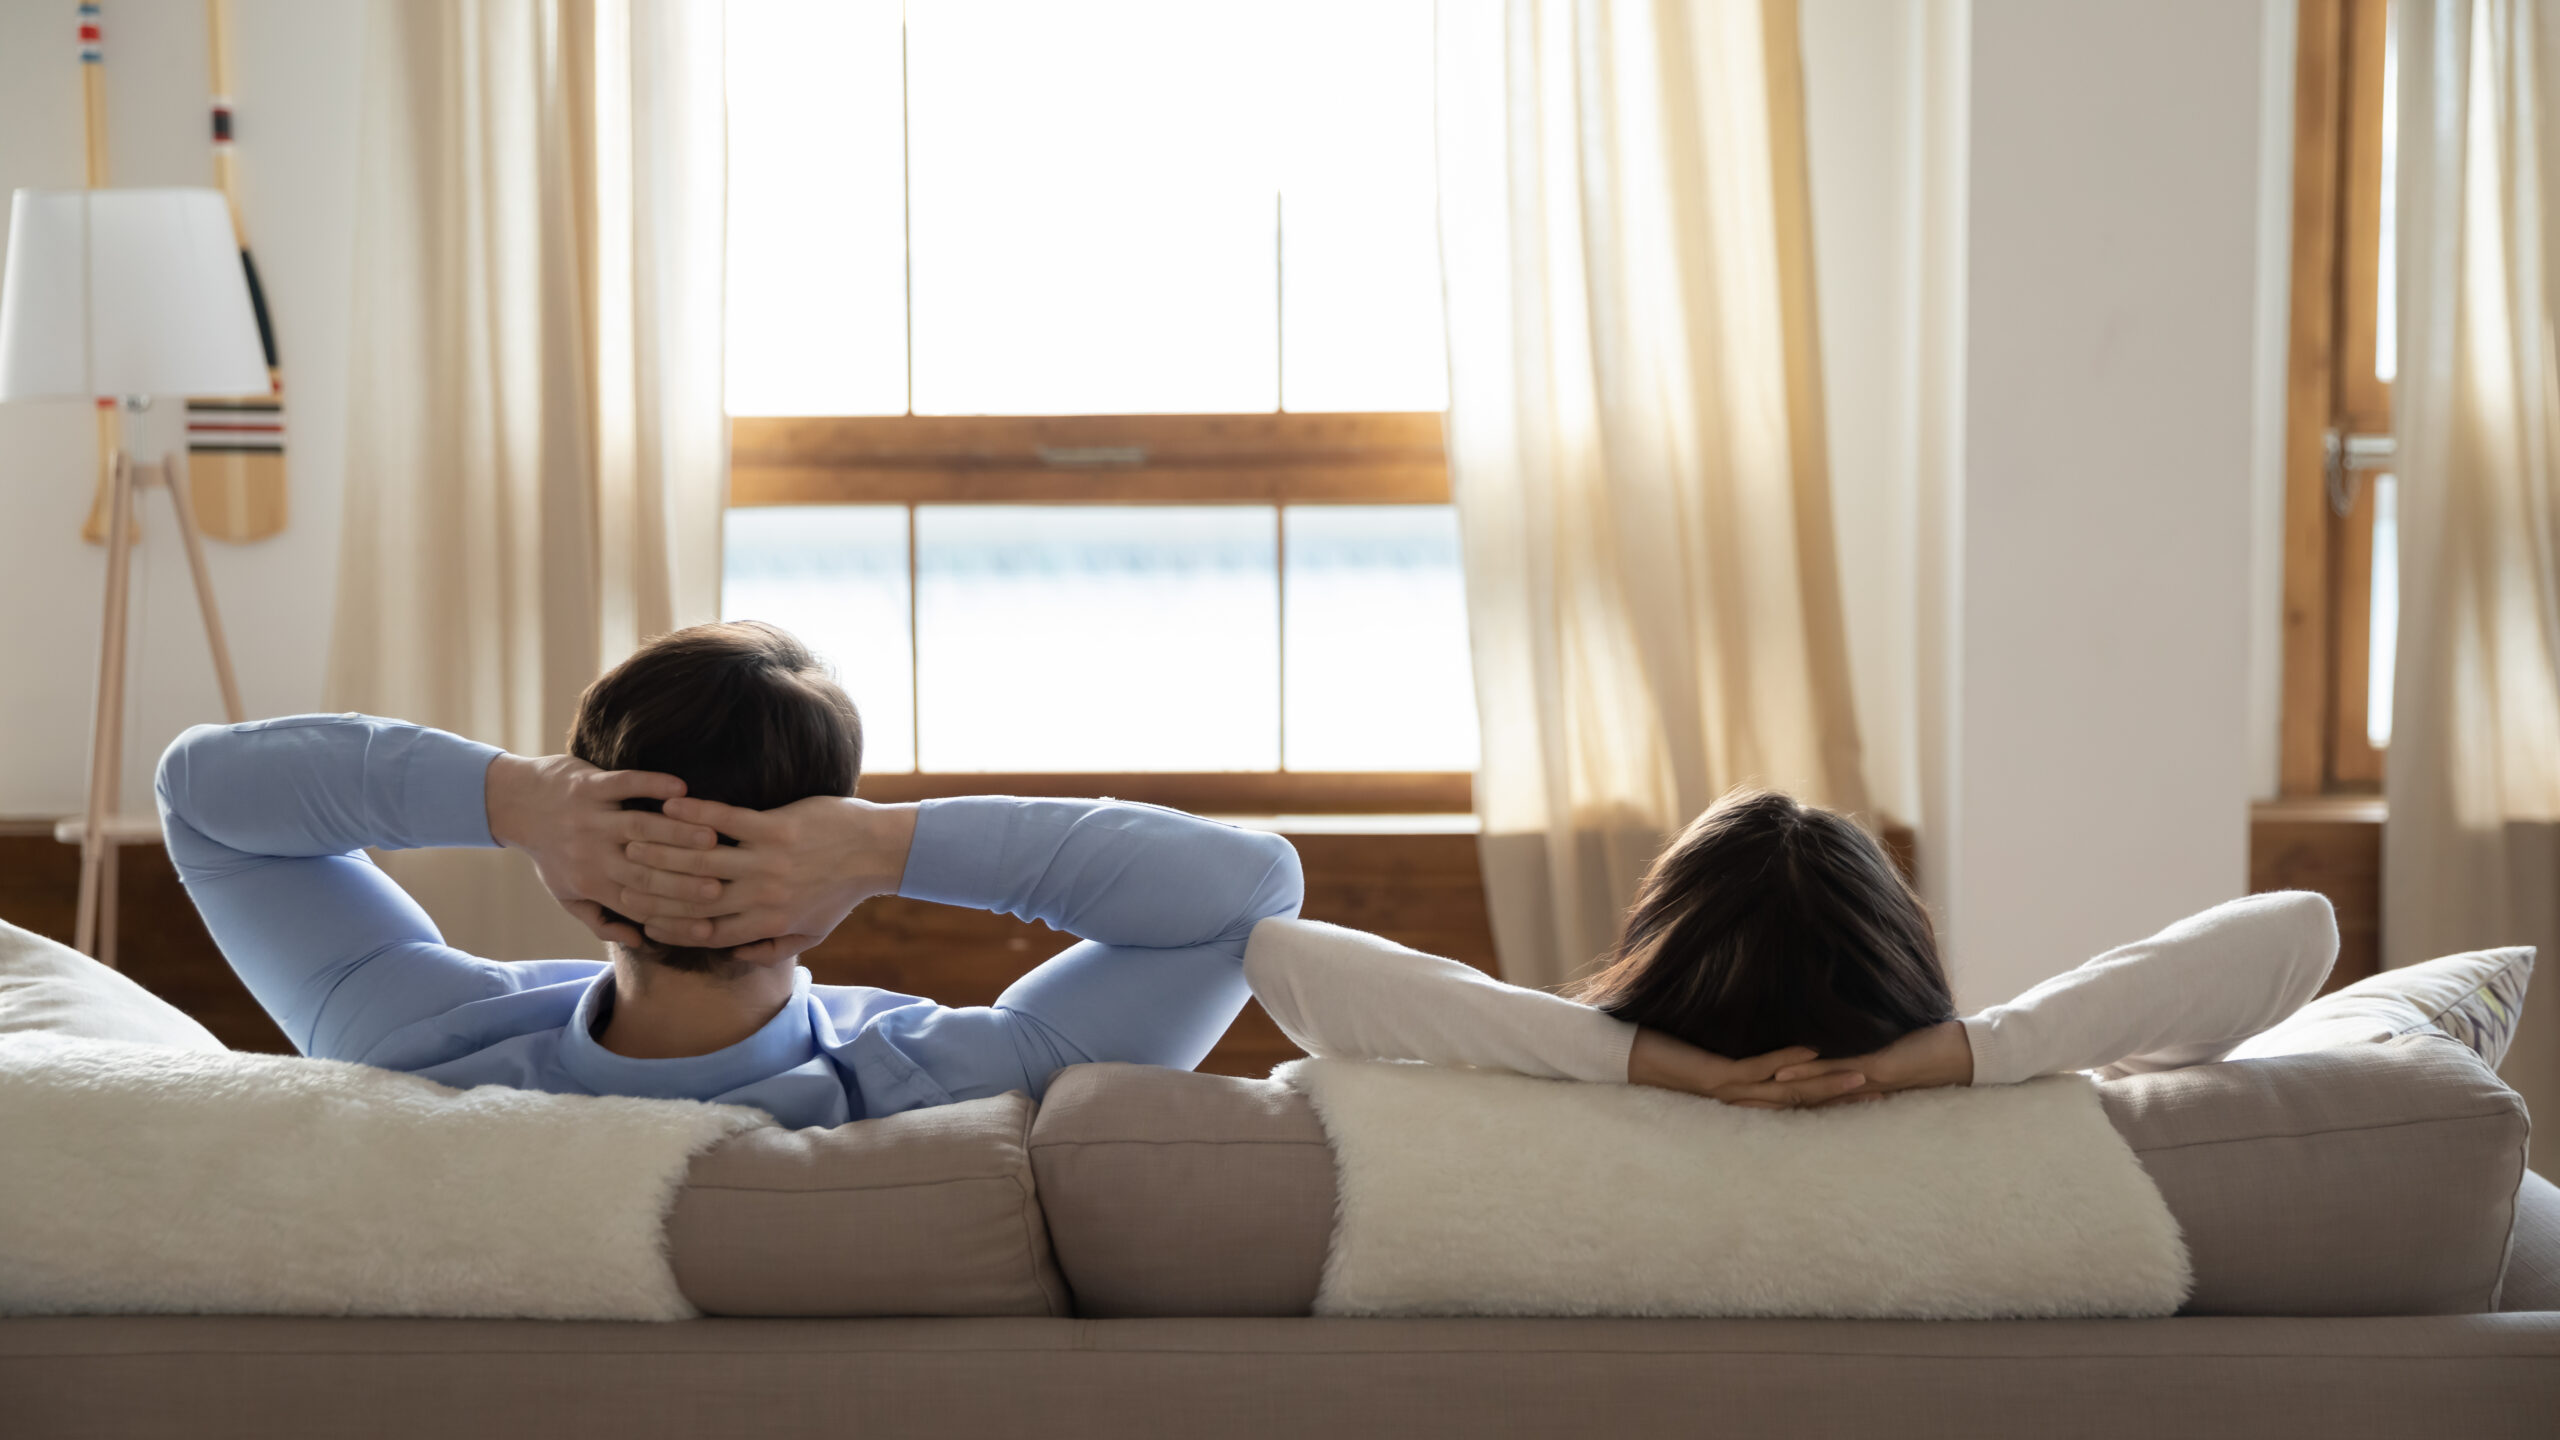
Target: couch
[1138, 1254]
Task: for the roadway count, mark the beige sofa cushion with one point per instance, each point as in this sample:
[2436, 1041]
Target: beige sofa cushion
[2533, 1262]
[927, 1213]
[1171, 1193]
[2374, 1180]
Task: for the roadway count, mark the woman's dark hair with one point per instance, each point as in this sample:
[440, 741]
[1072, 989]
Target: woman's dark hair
[1771, 923]
[740, 711]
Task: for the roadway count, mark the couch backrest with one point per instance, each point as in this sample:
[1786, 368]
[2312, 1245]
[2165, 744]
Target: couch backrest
[2372, 1179]
[1174, 1193]
[2379, 1179]
[931, 1212]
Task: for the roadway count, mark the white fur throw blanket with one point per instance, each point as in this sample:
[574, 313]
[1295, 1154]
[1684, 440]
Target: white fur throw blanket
[148, 1178]
[1465, 1192]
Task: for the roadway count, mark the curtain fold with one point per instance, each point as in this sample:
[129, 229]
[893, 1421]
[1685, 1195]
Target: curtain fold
[1636, 442]
[537, 452]
[2471, 851]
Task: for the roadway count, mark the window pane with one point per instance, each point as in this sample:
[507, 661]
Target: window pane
[1379, 677]
[2383, 642]
[1063, 637]
[1360, 261]
[1094, 207]
[836, 576]
[817, 245]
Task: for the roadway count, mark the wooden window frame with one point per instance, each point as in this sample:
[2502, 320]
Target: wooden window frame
[1279, 458]
[2332, 387]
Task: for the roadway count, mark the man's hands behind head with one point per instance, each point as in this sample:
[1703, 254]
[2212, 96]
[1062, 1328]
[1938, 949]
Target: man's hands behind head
[794, 874]
[567, 815]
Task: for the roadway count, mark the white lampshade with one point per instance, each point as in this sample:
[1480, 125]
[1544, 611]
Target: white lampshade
[125, 292]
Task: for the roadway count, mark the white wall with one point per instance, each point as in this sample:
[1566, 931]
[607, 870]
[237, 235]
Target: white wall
[1862, 84]
[2104, 770]
[294, 67]
[2043, 254]
[2039, 338]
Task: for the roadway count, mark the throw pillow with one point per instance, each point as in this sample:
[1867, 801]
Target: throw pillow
[45, 986]
[2474, 998]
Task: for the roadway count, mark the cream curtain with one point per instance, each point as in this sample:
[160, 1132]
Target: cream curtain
[1636, 440]
[2471, 850]
[537, 455]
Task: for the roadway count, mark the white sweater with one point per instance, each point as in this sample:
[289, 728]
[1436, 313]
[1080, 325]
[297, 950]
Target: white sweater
[2183, 997]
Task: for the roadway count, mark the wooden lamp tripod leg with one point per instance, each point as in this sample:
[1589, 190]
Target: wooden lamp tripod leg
[106, 737]
[178, 499]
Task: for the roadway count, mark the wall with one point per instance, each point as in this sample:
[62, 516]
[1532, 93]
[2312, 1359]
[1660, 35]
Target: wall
[2041, 306]
[294, 74]
[1863, 88]
[2104, 755]
[2043, 250]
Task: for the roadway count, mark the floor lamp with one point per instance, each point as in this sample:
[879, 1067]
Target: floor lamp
[118, 296]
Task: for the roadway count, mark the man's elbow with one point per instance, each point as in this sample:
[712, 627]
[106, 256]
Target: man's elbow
[1284, 885]
[179, 762]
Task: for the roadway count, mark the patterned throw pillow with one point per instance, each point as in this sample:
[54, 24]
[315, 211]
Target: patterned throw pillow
[2473, 998]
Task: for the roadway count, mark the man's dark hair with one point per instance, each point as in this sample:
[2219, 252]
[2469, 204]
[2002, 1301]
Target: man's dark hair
[1772, 923]
[740, 711]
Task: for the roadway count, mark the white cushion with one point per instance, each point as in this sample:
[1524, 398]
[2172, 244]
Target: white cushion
[2475, 998]
[45, 986]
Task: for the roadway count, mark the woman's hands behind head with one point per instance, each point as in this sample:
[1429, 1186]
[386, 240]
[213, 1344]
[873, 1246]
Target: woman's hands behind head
[1929, 1057]
[1668, 1063]
[793, 876]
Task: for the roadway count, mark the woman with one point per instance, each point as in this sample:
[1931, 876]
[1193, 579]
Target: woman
[1771, 923]
[1774, 957]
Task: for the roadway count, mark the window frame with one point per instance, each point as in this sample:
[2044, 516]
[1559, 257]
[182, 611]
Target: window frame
[2333, 388]
[1277, 458]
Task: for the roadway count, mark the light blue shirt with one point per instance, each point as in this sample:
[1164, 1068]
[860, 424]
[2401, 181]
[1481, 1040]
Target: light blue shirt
[268, 823]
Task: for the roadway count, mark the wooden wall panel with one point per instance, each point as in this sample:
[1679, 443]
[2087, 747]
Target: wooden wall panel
[161, 943]
[1420, 890]
[2332, 845]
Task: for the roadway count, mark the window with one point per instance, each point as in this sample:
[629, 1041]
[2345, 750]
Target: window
[1085, 369]
[2341, 504]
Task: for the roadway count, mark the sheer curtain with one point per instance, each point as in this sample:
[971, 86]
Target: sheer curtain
[1636, 441]
[2472, 848]
[537, 454]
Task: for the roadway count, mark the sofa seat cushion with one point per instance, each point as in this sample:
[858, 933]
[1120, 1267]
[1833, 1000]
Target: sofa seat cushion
[931, 1212]
[2379, 1179]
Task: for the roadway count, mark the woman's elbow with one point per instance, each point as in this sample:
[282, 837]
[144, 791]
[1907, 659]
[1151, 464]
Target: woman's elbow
[2309, 925]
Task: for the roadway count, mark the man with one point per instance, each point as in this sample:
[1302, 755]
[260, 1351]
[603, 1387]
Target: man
[735, 732]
